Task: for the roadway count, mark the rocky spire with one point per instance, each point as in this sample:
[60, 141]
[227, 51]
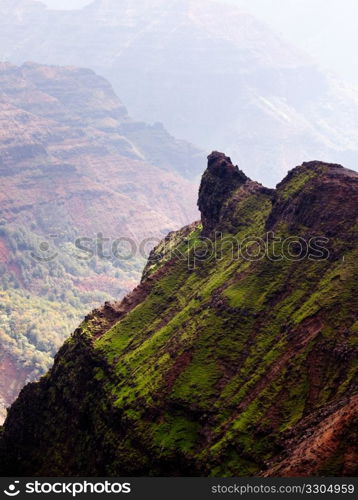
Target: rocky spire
[219, 181]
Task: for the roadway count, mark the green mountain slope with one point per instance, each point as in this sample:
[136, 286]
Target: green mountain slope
[220, 362]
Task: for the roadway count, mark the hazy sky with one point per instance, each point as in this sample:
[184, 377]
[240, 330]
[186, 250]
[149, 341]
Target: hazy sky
[327, 29]
[66, 4]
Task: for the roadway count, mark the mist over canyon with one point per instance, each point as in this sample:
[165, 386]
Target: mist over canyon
[214, 75]
[73, 165]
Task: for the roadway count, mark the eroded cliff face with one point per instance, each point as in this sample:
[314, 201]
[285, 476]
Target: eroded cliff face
[219, 181]
[215, 366]
[73, 165]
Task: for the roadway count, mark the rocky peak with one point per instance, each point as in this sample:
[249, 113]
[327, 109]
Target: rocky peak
[219, 181]
[321, 197]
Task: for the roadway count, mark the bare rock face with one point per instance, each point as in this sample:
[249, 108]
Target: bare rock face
[219, 181]
[327, 435]
[319, 196]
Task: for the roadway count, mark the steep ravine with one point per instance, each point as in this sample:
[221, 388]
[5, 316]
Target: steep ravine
[74, 165]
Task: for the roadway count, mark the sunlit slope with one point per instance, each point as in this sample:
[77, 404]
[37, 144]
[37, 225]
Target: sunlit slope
[215, 365]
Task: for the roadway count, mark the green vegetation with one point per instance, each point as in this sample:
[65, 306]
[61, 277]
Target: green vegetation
[217, 363]
[43, 301]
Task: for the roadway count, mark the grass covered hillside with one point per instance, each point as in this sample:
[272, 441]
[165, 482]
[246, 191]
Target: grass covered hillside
[224, 361]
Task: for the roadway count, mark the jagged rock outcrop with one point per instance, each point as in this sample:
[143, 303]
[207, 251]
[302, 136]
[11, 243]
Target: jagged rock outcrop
[309, 204]
[219, 181]
[234, 364]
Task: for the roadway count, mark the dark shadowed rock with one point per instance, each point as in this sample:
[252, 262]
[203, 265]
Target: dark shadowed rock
[219, 181]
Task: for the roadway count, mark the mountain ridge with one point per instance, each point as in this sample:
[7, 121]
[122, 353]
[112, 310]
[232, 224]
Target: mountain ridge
[215, 364]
